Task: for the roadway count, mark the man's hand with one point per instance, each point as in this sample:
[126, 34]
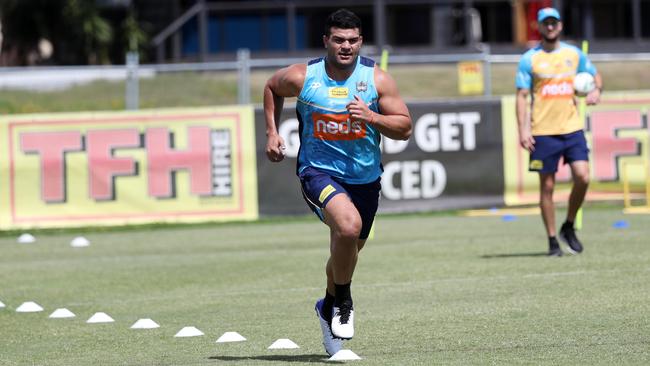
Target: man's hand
[593, 97]
[359, 111]
[275, 148]
[526, 140]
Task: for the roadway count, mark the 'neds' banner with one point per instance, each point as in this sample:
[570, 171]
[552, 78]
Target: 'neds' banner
[174, 165]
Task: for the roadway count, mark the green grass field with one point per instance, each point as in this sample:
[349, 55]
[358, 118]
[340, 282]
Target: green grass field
[429, 289]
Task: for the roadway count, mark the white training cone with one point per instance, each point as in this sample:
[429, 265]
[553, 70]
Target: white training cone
[145, 324]
[230, 337]
[29, 307]
[79, 242]
[189, 332]
[26, 238]
[100, 318]
[344, 355]
[1, 305]
[283, 343]
[62, 313]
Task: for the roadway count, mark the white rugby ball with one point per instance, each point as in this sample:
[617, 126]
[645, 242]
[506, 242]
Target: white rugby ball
[583, 83]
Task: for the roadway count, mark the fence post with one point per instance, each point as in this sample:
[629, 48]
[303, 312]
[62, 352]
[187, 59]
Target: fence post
[487, 70]
[132, 87]
[243, 76]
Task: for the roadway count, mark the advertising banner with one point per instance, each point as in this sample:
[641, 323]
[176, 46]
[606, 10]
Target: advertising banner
[452, 160]
[617, 134]
[470, 78]
[279, 190]
[85, 169]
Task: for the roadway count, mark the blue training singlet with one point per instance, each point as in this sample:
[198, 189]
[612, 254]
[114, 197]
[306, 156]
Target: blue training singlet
[329, 141]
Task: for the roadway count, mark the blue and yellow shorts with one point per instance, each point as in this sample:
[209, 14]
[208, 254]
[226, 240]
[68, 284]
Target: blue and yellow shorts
[549, 149]
[318, 188]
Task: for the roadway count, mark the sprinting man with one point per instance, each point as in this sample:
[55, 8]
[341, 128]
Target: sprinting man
[555, 129]
[345, 103]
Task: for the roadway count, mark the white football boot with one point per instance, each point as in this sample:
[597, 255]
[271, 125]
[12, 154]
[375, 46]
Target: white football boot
[343, 320]
[332, 344]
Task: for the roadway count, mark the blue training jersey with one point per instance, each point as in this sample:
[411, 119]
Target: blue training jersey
[329, 140]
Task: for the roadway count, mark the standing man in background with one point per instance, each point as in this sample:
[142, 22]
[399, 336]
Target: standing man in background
[554, 128]
[345, 103]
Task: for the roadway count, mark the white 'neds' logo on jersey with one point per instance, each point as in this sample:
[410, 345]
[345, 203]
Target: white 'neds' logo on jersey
[557, 89]
[337, 127]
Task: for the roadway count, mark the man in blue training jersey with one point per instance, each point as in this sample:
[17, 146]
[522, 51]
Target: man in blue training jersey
[554, 129]
[345, 103]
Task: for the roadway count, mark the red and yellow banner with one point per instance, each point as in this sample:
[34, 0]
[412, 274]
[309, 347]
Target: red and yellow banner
[470, 78]
[112, 168]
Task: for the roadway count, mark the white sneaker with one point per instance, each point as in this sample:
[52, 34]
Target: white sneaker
[332, 345]
[343, 320]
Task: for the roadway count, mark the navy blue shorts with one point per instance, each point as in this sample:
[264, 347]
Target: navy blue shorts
[548, 150]
[318, 188]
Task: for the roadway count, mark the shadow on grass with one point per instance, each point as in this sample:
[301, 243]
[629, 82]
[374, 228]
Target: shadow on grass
[515, 255]
[316, 358]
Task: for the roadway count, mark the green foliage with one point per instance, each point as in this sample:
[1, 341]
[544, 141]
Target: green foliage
[134, 36]
[24, 23]
[77, 29]
[83, 19]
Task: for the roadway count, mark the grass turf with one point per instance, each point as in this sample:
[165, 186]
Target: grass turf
[429, 289]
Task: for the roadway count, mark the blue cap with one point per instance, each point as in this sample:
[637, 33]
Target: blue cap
[547, 13]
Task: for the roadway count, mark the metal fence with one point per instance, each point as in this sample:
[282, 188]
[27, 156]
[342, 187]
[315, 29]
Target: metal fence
[53, 78]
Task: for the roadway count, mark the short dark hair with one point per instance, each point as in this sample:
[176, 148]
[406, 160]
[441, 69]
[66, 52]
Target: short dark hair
[344, 19]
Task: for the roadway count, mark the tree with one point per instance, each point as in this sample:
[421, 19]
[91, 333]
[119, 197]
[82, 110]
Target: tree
[76, 29]
[92, 33]
[24, 23]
